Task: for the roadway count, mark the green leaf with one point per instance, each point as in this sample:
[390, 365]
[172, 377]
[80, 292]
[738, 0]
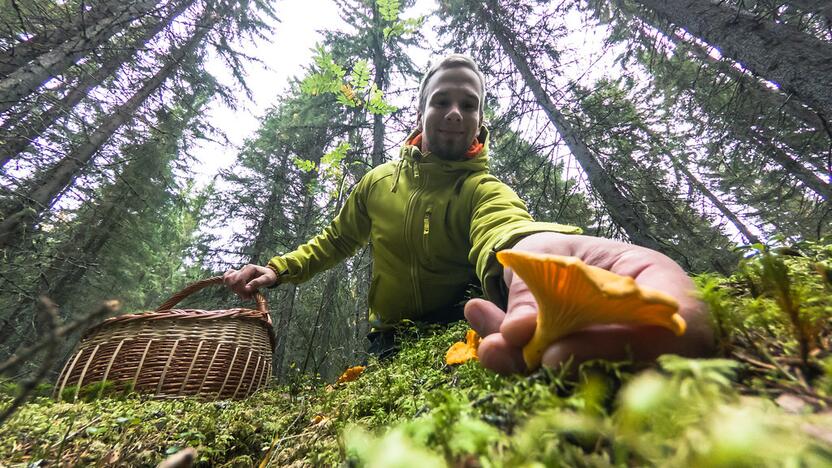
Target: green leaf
[360, 75]
[304, 165]
[389, 9]
[376, 103]
[335, 156]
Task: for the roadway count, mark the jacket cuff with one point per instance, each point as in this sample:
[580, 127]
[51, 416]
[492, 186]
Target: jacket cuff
[493, 286]
[279, 265]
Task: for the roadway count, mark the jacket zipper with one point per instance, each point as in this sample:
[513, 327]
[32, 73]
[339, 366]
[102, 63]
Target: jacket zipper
[426, 235]
[414, 265]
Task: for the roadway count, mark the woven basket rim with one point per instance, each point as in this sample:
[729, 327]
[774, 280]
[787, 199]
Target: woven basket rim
[188, 314]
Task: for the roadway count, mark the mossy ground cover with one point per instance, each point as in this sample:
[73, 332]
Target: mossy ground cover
[763, 401]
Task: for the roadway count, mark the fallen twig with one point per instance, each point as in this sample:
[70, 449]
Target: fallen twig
[107, 308]
[49, 310]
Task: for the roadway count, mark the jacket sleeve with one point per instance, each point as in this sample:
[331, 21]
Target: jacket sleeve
[499, 219]
[347, 233]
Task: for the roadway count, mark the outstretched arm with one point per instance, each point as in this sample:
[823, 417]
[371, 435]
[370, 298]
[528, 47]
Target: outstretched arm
[348, 231]
[506, 332]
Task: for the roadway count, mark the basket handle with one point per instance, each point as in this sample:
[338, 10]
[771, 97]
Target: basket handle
[262, 306]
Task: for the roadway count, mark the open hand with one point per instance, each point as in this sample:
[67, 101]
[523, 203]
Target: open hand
[506, 332]
[249, 279]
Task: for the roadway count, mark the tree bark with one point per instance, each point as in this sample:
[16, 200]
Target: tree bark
[704, 190]
[800, 64]
[274, 203]
[19, 55]
[33, 127]
[30, 77]
[620, 209]
[764, 142]
[304, 230]
[42, 196]
[380, 64]
[793, 167]
[822, 8]
[759, 92]
[761, 140]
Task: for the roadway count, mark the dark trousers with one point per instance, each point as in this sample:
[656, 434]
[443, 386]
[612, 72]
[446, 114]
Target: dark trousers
[385, 344]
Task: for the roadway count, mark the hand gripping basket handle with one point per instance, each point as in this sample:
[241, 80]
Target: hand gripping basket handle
[262, 306]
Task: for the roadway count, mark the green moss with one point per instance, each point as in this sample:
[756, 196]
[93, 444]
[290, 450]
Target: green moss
[754, 406]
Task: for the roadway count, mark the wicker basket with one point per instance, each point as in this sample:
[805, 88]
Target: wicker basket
[173, 353]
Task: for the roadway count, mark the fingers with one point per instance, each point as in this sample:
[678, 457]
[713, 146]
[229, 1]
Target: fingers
[266, 278]
[237, 280]
[613, 342]
[496, 354]
[484, 316]
[521, 315]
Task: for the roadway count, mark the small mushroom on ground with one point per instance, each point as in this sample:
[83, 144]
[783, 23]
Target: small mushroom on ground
[350, 374]
[460, 352]
[572, 295]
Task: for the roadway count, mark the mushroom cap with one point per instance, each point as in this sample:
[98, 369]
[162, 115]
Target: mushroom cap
[350, 374]
[460, 352]
[572, 295]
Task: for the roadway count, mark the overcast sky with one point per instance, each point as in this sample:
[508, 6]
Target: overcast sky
[284, 53]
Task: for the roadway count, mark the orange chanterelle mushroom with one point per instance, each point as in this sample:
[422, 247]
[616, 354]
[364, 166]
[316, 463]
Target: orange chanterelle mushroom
[460, 352]
[572, 295]
[350, 374]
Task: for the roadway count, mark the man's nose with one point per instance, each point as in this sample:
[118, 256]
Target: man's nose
[454, 114]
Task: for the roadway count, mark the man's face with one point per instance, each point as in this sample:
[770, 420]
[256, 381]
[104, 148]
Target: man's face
[451, 118]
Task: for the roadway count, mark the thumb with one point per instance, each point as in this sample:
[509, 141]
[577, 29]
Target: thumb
[484, 316]
[521, 314]
[259, 282]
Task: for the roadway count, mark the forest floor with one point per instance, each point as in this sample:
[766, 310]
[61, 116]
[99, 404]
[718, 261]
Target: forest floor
[762, 402]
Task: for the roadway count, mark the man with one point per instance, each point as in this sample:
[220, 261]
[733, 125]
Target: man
[436, 218]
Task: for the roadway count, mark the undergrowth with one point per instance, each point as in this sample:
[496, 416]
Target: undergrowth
[763, 401]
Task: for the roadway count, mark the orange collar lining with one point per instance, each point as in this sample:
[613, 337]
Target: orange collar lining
[472, 152]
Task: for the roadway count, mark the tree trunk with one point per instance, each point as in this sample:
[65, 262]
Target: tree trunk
[793, 167]
[27, 79]
[757, 90]
[274, 203]
[281, 336]
[800, 64]
[34, 126]
[304, 229]
[716, 256]
[704, 190]
[380, 64]
[20, 54]
[620, 209]
[109, 217]
[775, 100]
[42, 196]
[760, 93]
[822, 8]
[324, 309]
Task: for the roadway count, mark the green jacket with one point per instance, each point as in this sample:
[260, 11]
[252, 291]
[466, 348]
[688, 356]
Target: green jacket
[434, 225]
